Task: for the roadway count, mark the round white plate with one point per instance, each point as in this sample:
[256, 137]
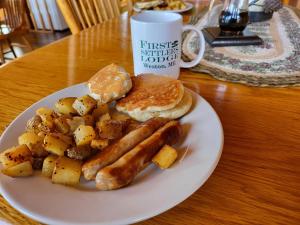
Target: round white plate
[188, 7]
[153, 191]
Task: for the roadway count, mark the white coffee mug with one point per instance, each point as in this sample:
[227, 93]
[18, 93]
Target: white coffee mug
[156, 43]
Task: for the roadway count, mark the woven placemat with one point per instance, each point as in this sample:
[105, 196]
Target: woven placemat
[276, 63]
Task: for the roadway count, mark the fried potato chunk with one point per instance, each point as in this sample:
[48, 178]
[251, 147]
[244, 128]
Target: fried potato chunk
[84, 135]
[165, 157]
[62, 125]
[34, 142]
[15, 155]
[84, 104]
[23, 169]
[64, 106]
[47, 116]
[33, 124]
[66, 171]
[111, 129]
[55, 145]
[48, 165]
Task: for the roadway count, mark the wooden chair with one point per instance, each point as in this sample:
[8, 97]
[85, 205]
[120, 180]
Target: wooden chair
[82, 14]
[12, 23]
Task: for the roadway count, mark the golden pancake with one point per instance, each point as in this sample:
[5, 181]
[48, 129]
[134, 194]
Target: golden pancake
[110, 83]
[178, 111]
[151, 93]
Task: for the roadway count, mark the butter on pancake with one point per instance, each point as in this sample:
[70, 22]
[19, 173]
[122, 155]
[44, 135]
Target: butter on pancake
[110, 83]
[178, 111]
[151, 93]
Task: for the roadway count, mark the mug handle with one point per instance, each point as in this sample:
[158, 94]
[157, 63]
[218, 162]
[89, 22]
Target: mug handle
[201, 44]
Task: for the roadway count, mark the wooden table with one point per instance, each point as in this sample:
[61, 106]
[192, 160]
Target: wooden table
[257, 180]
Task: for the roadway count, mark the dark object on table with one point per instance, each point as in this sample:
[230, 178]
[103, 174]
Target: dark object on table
[259, 16]
[232, 26]
[216, 38]
[234, 16]
[233, 21]
[262, 10]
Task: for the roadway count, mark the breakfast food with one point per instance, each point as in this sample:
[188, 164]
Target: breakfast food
[115, 151]
[48, 165]
[84, 105]
[155, 96]
[23, 169]
[165, 157]
[124, 170]
[100, 135]
[148, 4]
[179, 110]
[152, 93]
[65, 106]
[66, 171]
[110, 83]
[15, 155]
[160, 5]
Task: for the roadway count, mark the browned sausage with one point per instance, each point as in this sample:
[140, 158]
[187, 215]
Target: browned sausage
[124, 170]
[113, 152]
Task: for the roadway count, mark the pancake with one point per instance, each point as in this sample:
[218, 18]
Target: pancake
[179, 110]
[151, 93]
[110, 83]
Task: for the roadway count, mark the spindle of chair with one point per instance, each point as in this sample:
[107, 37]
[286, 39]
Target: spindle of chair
[82, 14]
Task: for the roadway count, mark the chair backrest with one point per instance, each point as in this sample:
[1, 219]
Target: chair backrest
[82, 14]
[13, 16]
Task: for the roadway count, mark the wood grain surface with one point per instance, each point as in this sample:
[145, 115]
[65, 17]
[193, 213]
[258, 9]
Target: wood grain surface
[257, 180]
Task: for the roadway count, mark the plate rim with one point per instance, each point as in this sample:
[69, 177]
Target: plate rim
[188, 7]
[140, 217]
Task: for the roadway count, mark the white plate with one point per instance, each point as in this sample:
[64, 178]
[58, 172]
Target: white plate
[188, 7]
[153, 191]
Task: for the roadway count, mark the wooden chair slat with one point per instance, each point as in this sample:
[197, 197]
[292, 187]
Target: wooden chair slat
[88, 13]
[15, 9]
[70, 15]
[78, 13]
[85, 14]
[110, 9]
[116, 7]
[100, 19]
[103, 10]
[69, 5]
[10, 13]
[91, 11]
